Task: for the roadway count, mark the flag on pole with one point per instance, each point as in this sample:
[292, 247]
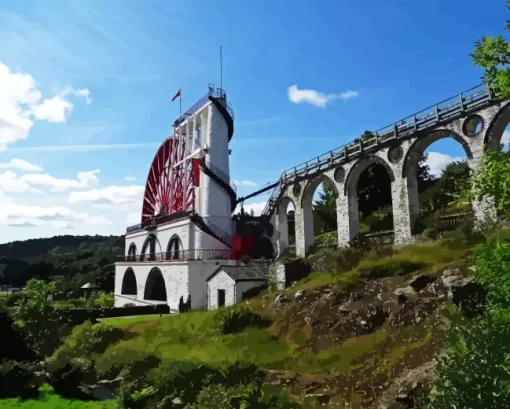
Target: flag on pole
[177, 95]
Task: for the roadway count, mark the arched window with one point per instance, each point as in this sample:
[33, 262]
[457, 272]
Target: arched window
[132, 252]
[155, 288]
[149, 248]
[129, 283]
[174, 250]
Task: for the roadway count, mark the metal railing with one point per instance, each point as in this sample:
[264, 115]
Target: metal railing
[381, 237]
[179, 255]
[426, 119]
[223, 176]
[216, 93]
[157, 221]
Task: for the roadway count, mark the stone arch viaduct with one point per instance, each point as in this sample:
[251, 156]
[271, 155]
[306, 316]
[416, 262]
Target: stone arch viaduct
[475, 118]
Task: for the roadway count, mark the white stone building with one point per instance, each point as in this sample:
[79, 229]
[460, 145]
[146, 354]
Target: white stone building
[227, 285]
[185, 231]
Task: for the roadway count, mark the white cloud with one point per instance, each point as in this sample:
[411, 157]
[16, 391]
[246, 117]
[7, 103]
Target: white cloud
[21, 165]
[57, 109]
[314, 97]
[247, 183]
[506, 138]
[110, 195]
[16, 214]
[133, 218]
[256, 207]
[130, 178]
[84, 148]
[438, 161]
[20, 105]
[11, 182]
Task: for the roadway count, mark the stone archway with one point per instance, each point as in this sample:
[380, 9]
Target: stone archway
[410, 166]
[155, 288]
[496, 128]
[307, 207]
[282, 223]
[129, 286]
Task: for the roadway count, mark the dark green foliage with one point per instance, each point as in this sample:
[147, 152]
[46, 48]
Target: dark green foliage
[75, 260]
[238, 318]
[347, 258]
[493, 272]
[13, 343]
[17, 380]
[475, 373]
[66, 382]
[14, 299]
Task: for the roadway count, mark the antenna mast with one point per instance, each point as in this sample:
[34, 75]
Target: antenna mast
[221, 67]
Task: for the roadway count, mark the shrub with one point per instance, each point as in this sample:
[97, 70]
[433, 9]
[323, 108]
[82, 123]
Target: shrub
[237, 318]
[430, 233]
[493, 272]
[389, 267]
[347, 258]
[84, 341]
[17, 380]
[461, 381]
[14, 299]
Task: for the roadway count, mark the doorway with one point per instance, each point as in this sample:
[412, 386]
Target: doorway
[221, 298]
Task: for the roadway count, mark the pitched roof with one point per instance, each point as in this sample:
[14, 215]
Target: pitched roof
[89, 285]
[240, 273]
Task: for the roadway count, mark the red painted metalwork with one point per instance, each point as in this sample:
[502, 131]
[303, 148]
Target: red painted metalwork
[170, 186]
[242, 245]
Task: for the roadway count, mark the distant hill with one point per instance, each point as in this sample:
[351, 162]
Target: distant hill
[75, 260]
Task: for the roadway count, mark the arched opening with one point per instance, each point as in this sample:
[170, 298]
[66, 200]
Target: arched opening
[437, 171]
[286, 224]
[368, 187]
[498, 131]
[132, 252]
[129, 283]
[155, 288]
[174, 249]
[263, 248]
[319, 209]
[151, 249]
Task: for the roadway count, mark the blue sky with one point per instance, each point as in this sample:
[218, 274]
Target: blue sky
[89, 87]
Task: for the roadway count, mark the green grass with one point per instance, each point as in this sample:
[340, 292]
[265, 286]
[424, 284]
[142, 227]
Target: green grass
[49, 400]
[122, 322]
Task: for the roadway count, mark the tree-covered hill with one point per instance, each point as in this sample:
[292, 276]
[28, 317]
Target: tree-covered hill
[70, 260]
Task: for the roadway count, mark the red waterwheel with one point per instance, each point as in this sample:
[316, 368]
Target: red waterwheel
[170, 184]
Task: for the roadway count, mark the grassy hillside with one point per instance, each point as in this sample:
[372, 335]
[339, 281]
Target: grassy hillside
[328, 338]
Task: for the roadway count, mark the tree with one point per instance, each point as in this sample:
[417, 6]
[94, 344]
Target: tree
[325, 208]
[492, 181]
[493, 55]
[42, 323]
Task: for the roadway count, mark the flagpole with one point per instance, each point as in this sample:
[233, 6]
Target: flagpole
[180, 104]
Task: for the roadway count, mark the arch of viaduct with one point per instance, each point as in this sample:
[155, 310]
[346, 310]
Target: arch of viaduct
[474, 129]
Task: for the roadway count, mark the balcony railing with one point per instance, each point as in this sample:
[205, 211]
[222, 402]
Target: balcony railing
[216, 93]
[180, 255]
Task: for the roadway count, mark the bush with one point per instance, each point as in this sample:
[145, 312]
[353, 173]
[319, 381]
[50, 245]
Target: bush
[17, 380]
[389, 267]
[430, 233]
[347, 258]
[475, 372]
[237, 318]
[79, 347]
[493, 272]
[14, 299]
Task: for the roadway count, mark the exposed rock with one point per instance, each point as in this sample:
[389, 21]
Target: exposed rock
[320, 398]
[405, 291]
[280, 299]
[421, 281]
[298, 295]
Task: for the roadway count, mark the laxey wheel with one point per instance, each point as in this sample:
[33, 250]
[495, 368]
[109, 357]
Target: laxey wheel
[170, 184]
